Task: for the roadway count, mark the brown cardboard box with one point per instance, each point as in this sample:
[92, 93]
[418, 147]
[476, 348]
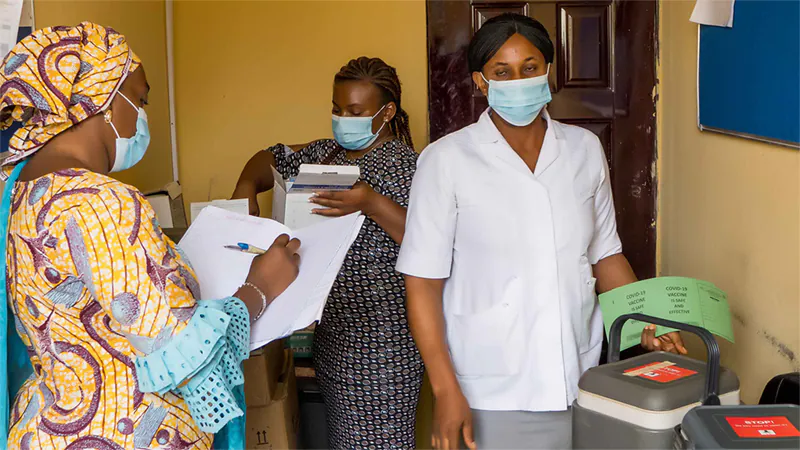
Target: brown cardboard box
[261, 373]
[276, 426]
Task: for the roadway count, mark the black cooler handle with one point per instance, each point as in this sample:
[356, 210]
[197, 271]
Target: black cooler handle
[711, 394]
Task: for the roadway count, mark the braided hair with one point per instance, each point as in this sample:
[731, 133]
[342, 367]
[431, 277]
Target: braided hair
[385, 78]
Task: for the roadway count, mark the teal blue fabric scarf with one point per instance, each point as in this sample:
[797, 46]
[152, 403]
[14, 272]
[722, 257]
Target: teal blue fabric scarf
[13, 354]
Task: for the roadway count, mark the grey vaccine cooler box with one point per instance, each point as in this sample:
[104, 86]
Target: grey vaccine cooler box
[740, 427]
[638, 402]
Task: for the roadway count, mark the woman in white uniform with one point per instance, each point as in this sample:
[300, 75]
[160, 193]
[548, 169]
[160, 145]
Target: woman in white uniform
[510, 232]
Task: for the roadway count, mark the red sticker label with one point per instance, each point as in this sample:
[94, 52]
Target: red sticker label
[662, 372]
[762, 427]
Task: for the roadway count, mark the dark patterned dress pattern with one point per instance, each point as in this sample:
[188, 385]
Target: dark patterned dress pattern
[369, 369]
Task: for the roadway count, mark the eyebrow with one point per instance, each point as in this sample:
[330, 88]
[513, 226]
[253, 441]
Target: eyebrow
[500, 63]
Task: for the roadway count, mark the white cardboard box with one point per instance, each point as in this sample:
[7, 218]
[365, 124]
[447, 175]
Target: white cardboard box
[290, 198]
[168, 206]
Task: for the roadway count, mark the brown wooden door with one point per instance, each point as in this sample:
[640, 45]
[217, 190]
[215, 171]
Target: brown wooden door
[599, 46]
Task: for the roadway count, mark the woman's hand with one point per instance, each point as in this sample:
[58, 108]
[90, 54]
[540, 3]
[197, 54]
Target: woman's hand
[615, 271]
[272, 273]
[341, 203]
[670, 342]
[452, 420]
[248, 190]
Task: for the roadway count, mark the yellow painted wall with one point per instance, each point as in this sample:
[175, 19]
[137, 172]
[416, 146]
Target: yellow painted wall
[265, 75]
[730, 214]
[143, 24]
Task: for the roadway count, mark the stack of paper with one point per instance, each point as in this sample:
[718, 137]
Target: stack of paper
[679, 299]
[241, 206]
[221, 271]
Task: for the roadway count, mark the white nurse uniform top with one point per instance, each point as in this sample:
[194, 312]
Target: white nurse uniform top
[517, 249]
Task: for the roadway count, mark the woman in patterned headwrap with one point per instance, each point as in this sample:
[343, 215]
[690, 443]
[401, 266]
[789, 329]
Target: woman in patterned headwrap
[122, 353]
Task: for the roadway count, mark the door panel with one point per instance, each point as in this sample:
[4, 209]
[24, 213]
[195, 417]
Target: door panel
[599, 45]
[584, 38]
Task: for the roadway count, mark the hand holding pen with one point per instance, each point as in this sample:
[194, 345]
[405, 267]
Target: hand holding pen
[272, 270]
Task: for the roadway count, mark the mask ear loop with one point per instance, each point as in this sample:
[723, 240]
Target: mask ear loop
[384, 122]
[107, 118]
[379, 111]
[107, 114]
[381, 128]
[137, 108]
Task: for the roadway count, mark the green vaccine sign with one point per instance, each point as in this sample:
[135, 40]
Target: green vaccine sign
[684, 300]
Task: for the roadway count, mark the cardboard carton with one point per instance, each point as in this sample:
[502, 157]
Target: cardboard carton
[261, 373]
[290, 205]
[168, 205]
[276, 426]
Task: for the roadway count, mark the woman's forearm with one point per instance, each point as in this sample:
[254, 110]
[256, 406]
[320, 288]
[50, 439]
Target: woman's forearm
[613, 272]
[390, 216]
[257, 174]
[426, 319]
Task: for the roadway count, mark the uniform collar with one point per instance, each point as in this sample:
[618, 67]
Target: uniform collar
[489, 134]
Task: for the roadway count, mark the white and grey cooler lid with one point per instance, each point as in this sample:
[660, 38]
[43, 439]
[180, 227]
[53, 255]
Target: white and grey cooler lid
[656, 390]
[742, 427]
[657, 381]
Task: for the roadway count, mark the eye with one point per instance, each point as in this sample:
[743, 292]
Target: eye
[530, 69]
[501, 73]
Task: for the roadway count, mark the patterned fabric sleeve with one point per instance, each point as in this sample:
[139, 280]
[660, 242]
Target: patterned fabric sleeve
[288, 162]
[116, 250]
[397, 176]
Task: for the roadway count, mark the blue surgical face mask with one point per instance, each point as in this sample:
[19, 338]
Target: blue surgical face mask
[131, 150]
[519, 102]
[355, 133]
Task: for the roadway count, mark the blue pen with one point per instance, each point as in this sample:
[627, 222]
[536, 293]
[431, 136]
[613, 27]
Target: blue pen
[246, 248]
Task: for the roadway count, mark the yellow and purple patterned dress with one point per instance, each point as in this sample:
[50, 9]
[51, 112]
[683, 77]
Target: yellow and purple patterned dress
[123, 355]
[93, 283]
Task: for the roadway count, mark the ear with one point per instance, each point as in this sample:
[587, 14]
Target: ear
[480, 83]
[389, 111]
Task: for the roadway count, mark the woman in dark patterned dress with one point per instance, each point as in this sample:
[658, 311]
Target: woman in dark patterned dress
[368, 366]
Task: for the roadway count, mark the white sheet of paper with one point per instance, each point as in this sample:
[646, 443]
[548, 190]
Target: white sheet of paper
[220, 271]
[240, 206]
[713, 12]
[10, 14]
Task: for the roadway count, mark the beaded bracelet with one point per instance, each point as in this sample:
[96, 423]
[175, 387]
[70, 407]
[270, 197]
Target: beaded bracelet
[263, 300]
